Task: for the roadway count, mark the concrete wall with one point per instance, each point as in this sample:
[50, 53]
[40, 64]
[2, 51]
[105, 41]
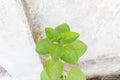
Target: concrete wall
[18, 58]
[96, 20]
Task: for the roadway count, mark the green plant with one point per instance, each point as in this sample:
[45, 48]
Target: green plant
[62, 46]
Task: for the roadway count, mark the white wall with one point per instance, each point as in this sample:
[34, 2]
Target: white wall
[17, 49]
[98, 22]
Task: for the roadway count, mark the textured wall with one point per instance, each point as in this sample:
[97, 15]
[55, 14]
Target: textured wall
[17, 53]
[96, 20]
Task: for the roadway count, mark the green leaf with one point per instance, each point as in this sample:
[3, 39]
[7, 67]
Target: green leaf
[68, 37]
[43, 46]
[56, 51]
[80, 47]
[44, 75]
[54, 69]
[63, 28]
[75, 74]
[51, 34]
[70, 55]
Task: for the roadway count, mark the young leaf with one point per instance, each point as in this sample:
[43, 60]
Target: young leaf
[70, 55]
[51, 34]
[75, 74]
[54, 69]
[68, 37]
[63, 28]
[43, 46]
[44, 75]
[80, 47]
[56, 51]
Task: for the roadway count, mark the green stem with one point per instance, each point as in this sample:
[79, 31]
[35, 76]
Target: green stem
[64, 77]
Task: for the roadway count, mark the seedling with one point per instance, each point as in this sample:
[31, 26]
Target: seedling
[62, 46]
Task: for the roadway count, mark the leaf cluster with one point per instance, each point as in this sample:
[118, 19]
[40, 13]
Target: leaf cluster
[63, 46]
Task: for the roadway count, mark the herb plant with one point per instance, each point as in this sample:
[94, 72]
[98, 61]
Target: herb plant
[62, 46]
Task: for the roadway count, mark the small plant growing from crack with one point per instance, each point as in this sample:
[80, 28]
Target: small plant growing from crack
[62, 46]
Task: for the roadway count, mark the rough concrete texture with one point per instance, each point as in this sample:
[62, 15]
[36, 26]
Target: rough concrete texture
[17, 52]
[96, 20]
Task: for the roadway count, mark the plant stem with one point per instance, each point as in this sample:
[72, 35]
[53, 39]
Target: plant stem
[64, 77]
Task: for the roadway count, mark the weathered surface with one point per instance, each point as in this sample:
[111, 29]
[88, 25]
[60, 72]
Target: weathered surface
[17, 53]
[3, 72]
[34, 25]
[96, 20]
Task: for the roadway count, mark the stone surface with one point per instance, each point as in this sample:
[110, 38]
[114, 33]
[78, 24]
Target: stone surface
[98, 23]
[17, 52]
[3, 72]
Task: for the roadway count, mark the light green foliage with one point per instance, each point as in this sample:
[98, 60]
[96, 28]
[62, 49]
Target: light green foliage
[56, 51]
[54, 69]
[51, 34]
[63, 47]
[43, 46]
[75, 74]
[70, 54]
[63, 28]
[80, 47]
[44, 75]
[68, 37]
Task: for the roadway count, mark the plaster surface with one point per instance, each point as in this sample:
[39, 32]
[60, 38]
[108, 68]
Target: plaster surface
[18, 58]
[97, 21]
